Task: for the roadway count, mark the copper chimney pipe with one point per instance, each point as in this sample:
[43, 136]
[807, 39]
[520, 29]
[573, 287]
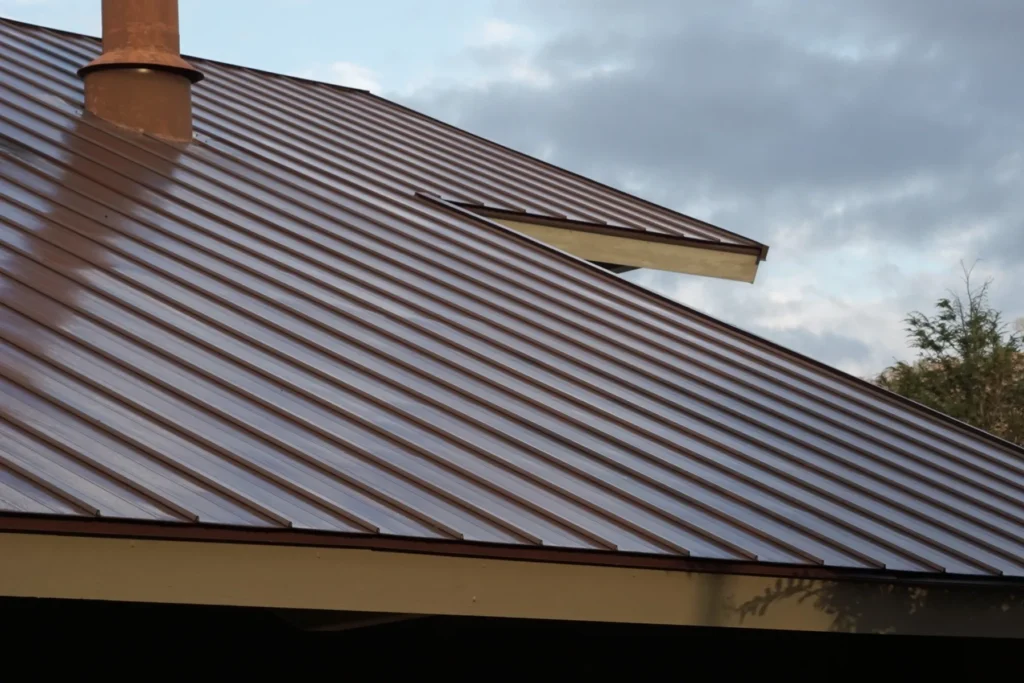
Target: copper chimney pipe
[140, 82]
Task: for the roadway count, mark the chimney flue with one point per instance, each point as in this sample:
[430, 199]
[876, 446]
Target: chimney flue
[140, 81]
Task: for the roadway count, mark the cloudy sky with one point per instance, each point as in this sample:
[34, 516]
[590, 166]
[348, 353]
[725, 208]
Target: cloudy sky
[874, 144]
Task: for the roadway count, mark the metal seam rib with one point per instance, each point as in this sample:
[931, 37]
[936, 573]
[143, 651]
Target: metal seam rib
[404, 131]
[665, 541]
[317, 430]
[930, 464]
[588, 190]
[497, 186]
[436, 123]
[604, 542]
[308, 368]
[80, 456]
[312, 497]
[781, 544]
[547, 311]
[41, 480]
[34, 409]
[517, 163]
[454, 181]
[433, 487]
[826, 436]
[416, 514]
[430, 160]
[292, 312]
[223, 488]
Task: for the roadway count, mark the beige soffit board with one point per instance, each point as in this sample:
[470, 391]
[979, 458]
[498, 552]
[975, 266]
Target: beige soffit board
[642, 253]
[358, 580]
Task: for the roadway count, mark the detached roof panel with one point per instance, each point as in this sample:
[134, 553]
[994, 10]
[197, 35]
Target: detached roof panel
[279, 327]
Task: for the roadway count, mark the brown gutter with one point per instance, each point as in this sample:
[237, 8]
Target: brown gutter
[140, 82]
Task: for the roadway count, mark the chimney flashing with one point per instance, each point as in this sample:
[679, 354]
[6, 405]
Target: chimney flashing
[140, 82]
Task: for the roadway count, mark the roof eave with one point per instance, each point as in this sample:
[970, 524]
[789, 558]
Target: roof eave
[289, 576]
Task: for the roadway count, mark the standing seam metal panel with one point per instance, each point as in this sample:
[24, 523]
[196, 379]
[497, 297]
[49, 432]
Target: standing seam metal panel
[273, 321]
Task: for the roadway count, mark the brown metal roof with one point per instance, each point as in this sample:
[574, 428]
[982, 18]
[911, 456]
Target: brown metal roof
[271, 330]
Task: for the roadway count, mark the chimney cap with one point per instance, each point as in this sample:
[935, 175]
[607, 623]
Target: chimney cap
[141, 34]
[135, 58]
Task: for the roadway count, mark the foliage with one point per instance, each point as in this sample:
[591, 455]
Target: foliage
[903, 607]
[970, 365]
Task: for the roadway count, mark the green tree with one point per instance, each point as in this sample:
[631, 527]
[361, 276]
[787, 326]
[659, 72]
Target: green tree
[970, 364]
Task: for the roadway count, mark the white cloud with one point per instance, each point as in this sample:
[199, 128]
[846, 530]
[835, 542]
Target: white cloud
[526, 73]
[499, 33]
[64, 15]
[344, 73]
[354, 76]
[903, 161]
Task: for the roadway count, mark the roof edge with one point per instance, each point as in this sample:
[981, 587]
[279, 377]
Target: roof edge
[602, 228]
[469, 211]
[762, 248]
[209, 533]
[193, 58]
[663, 300]
[611, 188]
